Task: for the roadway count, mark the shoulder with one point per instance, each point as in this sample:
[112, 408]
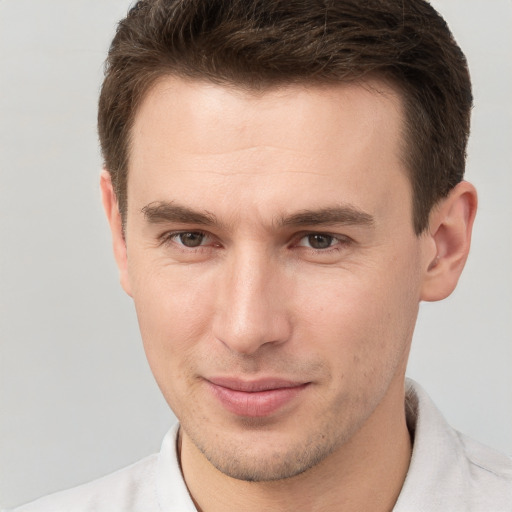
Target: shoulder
[152, 484]
[448, 470]
[490, 473]
[129, 489]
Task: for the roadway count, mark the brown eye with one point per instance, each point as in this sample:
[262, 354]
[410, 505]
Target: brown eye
[319, 241]
[191, 238]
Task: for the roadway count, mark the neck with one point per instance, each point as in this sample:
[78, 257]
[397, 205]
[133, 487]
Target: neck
[366, 473]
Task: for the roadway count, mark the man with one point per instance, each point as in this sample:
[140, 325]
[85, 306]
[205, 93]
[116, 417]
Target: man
[284, 185]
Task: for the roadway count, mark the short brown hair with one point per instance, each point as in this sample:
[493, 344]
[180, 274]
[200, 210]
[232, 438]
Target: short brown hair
[263, 43]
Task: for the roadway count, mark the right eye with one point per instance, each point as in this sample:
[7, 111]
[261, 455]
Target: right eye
[187, 239]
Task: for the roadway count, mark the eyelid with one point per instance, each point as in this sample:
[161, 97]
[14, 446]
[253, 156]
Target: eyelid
[172, 237]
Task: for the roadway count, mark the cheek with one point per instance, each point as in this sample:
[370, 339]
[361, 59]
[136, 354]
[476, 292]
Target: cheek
[173, 312]
[360, 318]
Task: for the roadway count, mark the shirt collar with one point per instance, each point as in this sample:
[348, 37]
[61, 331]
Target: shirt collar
[438, 473]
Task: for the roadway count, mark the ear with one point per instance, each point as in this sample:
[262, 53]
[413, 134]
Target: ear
[111, 208]
[449, 231]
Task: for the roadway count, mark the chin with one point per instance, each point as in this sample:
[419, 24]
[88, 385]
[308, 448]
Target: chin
[258, 463]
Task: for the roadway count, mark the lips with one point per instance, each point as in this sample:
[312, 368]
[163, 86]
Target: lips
[256, 398]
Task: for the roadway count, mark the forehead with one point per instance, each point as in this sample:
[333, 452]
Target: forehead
[187, 112]
[293, 143]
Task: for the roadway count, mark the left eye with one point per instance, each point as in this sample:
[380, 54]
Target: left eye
[189, 239]
[318, 241]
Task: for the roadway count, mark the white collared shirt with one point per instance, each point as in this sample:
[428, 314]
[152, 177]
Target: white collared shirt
[448, 473]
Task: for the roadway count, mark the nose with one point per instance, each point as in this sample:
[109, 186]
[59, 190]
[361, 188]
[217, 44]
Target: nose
[251, 303]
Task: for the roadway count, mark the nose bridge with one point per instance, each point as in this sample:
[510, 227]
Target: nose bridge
[250, 310]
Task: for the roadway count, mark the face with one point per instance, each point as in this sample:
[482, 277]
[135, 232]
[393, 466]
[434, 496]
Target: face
[271, 257]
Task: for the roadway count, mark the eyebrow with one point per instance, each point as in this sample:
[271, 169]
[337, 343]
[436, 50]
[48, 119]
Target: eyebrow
[345, 214]
[163, 211]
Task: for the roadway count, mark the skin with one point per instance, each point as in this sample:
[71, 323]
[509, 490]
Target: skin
[306, 269]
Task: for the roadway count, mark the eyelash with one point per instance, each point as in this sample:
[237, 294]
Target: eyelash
[340, 241]
[169, 238]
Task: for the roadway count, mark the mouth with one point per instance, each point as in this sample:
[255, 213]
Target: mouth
[256, 398]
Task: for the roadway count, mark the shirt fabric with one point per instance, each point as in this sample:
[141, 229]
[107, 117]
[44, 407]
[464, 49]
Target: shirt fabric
[448, 472]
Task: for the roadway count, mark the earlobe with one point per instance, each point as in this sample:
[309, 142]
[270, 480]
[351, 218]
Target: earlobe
[111, 208]
[450, 227]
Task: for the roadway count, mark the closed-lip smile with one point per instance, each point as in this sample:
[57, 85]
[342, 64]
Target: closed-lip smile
[254, 398]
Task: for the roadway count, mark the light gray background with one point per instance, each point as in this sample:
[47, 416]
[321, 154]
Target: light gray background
[77, 399]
